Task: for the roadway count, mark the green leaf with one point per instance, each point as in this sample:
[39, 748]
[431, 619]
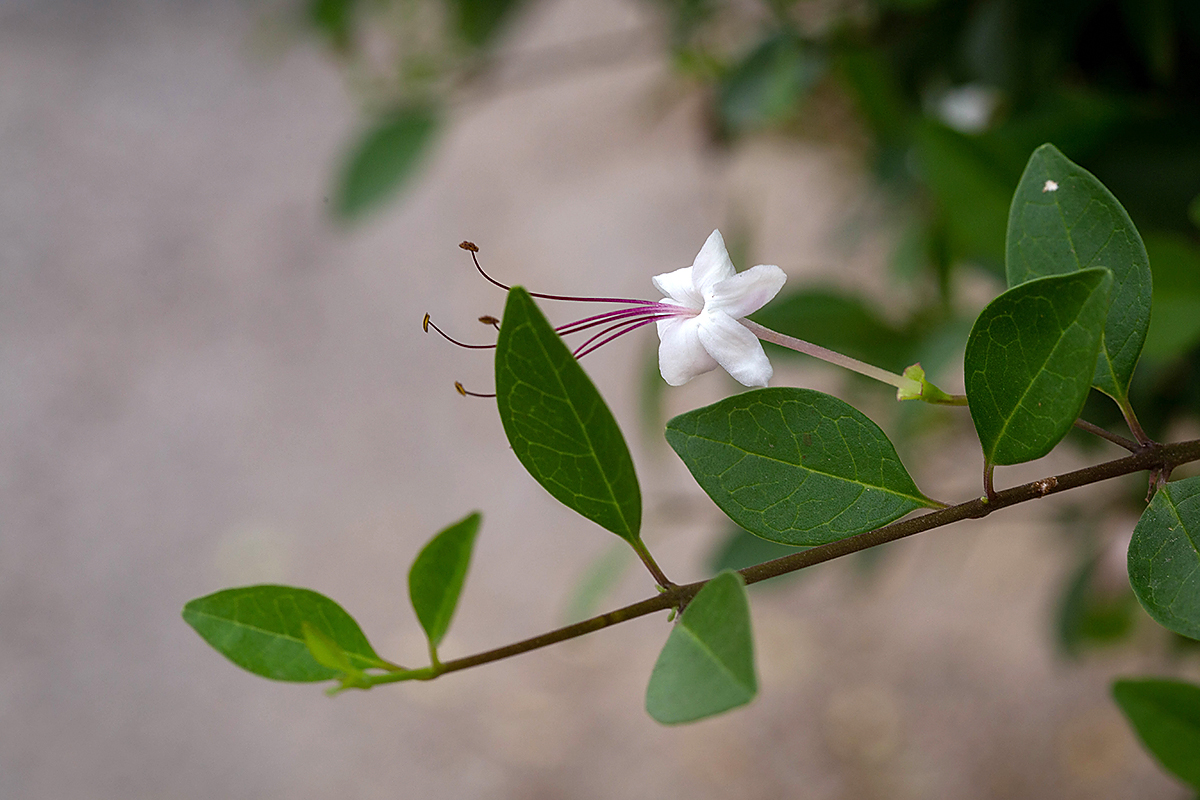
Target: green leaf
[1164, 557]
[558, 425]
[1166, 716]
[972, 186]
[769, 83]
[1091, 613]
[478, 21]
[1029, 363]
[261, 629]
[383, 160]
[436, 578]
[334, 19]
[324, 649]
[707, 665]
[597, 582]
[1063, 220]
[1175, 326]
[795, 466]
[740, 549]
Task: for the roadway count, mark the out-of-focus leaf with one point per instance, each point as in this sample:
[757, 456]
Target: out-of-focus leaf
[740, 549]
[1166, 716]
[973, 188]
[437, 575]
[261, 629]
[1164, 557]
[600, 578]
[1175, 323]
[559, 427]
[334, 19]
[707, 665]
[1029, 363]
[795, 466]
[770, 83]
[478, 21]
[327, 652]
[874, 86]
[1092, 614]
[841, 322]
[1064, 220]
[383, 160]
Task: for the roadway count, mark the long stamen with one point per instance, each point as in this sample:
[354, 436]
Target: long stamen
[468, 393]
[428, 323]
[472, 248]
[657, 310]
[621, 329]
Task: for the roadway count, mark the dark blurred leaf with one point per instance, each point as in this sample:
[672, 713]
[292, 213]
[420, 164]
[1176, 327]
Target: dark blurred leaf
[1090, 613]
[873, 83]
[1166, 716]
[769, 84]
[478, 21]
[973, 187]
[383, 160]
[841, 322]
[1175, 323]
[740, 549]
[598, 581]
[334, 19]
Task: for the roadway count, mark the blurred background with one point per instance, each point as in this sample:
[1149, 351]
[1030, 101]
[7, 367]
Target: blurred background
[221, 224]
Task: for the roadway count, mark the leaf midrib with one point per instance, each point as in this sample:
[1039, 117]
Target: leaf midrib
[921, 501]
[587, 436]
[276, 634]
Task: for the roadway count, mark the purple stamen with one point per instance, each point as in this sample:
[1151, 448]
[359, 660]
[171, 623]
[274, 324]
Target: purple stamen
[473, 250]
[620, 328]
[657, 309]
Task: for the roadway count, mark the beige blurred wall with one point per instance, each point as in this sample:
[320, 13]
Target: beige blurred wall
[203, 383]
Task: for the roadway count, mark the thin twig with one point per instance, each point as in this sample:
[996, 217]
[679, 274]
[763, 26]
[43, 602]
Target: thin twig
[1151, 457]
[1128, 444]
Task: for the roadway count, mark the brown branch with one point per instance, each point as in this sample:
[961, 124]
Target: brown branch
[1151, 457]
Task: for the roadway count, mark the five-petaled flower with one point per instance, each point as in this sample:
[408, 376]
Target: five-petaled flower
[711, 297]
[701, 325]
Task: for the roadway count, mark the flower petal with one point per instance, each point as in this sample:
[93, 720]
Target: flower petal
[747, 292]
[712, 264]
[678, 286]
[681, 356]
[734, 348]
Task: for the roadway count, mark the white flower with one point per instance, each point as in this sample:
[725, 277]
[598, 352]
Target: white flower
[712, 297]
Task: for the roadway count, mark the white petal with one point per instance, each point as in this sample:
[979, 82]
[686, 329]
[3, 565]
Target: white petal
[712, 264]
[681, 356]
[735, 348]
[678, 286]
[747, 292]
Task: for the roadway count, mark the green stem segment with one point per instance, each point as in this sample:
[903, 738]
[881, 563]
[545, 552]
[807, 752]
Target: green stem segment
[1151, 457]
[909, 386]
[643, 553]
